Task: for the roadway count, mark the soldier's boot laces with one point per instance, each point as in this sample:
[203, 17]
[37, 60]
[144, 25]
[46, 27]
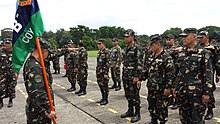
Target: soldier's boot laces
[105, 99]
[1, 103]
[10, 103]
[137, 116]
[129, 113]
[209, 114]
[83, 91]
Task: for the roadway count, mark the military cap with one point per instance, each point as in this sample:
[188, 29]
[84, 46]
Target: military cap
[202, 34]
[170, 36]
[155, 38]
[187, 31]
[101, 40]
[1, 43]
[114, 39]
[129, 32]
[44, 45]
[70, 42]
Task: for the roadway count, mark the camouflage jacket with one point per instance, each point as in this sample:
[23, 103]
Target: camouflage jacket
[159, 71]
[217, 64]
[115, 56]
[82, 58]
[103, 61]
[132, 61]
[71, 61]
[194, 71]
[37, 102]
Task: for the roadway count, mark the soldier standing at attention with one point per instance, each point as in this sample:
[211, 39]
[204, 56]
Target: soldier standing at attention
[102, 70]
[71, 66]
[194, 79]
[203, 39]
[8, 78]
[37, 106]
[159, 72]
[132, 69]
[115, 63]
[82, 69]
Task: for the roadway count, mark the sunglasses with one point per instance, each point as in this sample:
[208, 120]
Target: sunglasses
[99, 43]
[7, 42]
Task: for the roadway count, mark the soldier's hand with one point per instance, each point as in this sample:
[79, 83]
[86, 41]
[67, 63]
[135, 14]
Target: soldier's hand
[166, 92]
[106, 76]
[205, 98]
[52, 116]
[139, 84]
[174, 92]
[76, 70]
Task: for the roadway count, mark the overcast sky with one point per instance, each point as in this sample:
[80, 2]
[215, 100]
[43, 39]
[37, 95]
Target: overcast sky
[143, 16]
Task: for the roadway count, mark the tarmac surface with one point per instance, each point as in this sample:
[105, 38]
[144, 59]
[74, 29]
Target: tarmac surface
[73, 109]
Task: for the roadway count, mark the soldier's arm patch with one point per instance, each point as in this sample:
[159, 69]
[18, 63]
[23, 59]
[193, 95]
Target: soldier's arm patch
[38, 78]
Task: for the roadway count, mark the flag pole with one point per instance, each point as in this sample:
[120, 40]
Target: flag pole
[45, 76]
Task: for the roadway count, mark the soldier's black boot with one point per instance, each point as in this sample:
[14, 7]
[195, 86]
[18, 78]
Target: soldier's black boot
[129, 113]
[55, 72]
[1, 103]
[105, 99]
[209, 114]
[153, 121]
[113, 86]
[10, 103]
[137, 116]
[99, 101]
[58, 71]
[72, 88]
[118, 87]
[79, 91]
[83, 91]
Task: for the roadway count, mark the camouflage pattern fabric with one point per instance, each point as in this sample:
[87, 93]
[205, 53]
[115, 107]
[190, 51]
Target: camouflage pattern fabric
[71, 62]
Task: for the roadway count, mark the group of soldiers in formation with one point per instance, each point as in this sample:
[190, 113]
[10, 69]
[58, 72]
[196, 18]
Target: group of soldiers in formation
[182, 76]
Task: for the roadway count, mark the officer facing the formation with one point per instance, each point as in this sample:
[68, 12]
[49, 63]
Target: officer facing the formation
[132, 69]
[115, 63]
[8, 78]
[37, 107]
[159, 72]
[203, 39]
[71, 66]
[194, 79]
[82, 68]
[102, 70]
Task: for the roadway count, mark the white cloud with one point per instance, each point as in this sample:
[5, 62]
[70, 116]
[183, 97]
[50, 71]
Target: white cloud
[144, 16]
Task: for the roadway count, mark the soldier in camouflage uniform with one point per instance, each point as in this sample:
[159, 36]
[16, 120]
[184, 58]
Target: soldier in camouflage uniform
[37, 106]
[194, 79]
[203, 40]
[65, 59]
[2, 45]
[8, 77]
[115, 63]
[102, 70]
[170, 49]
[82, 69]
[56, 62]
[133, 65]
[71, 66]
[159, 70]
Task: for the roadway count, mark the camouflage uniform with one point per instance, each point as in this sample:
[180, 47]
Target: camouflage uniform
[56, 63]
[116, 59]
[102, 69]
[133, 65]
[37, 106]
[194, 79]
[82, 68]
[71, 65]
[8, 80]
[160, 71]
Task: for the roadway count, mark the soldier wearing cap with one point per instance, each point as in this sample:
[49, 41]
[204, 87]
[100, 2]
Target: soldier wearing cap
[8, 78]
[132, 69]
[159, 71]
[194, 79]
[2, 45]
[56, 61]
[71, 62]
[102, 70]
[82, 68]
[203, 40]
[37, 106]
[115, 63]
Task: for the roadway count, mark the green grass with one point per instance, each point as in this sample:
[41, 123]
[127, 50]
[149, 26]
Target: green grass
[92, 53]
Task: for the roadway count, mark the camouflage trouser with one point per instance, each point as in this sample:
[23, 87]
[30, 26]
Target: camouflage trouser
[56, 66]
[82, 77]
[115, 72]
[158, 105]
[103, 83]
[191, 110]
[131, 93]
[71, 75]
[7, 87]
